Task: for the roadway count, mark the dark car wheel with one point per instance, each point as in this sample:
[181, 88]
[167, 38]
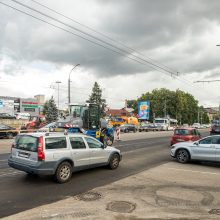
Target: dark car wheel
[182, 156]
[114, 161]
[63, 173]
[9, 135]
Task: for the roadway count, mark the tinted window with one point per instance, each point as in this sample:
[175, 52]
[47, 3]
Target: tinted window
[182, 132]
[206, 141]
[55, 142]
[215, 140]
[93, 143]
[77, 143]
[28, 143]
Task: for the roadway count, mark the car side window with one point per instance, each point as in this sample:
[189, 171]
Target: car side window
[77, 143]
[93, 143]
[55, 142]
[206, 141]
[215, 140]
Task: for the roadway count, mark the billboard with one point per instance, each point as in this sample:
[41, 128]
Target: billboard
[144, 110]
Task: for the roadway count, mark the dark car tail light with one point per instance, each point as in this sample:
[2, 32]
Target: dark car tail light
[40, 150]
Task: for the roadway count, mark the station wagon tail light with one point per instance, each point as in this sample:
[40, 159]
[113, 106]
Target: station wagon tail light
[40, 151]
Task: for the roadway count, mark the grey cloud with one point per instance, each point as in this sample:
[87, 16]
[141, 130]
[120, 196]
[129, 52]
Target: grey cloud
[144, 25]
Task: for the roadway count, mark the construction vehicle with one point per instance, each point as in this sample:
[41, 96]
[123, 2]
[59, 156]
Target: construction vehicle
[35, 122]
[86, 118]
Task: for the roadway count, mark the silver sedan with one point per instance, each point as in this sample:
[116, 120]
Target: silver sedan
[205, 149]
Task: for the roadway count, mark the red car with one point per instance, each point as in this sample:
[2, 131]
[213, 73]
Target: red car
[185, 134]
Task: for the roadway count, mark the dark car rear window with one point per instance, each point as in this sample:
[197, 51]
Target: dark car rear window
[26, 142]
[183, 132]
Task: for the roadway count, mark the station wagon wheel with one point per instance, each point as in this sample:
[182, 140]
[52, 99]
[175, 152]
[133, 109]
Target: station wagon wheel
[63, 173]
[182, 156]
[114, 161]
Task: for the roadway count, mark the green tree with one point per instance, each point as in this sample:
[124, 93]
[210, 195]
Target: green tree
[45, 107]
[96, 97]
[50, 110]
[175, 104]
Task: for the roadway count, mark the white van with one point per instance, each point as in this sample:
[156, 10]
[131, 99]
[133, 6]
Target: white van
[21, 115]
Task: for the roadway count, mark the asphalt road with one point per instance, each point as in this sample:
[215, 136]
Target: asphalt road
[19, 191]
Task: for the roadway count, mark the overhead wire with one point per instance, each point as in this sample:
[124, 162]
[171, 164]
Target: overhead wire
[122, 51]
[103, 35]
[89, 40]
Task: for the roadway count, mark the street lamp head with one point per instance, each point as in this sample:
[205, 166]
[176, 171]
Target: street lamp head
[218, 45]
[57, 82]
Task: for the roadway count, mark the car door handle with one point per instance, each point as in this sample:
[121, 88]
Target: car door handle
[75, 153]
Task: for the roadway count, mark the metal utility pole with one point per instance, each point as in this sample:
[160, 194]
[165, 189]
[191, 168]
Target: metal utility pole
[58, 98]
[69, 82]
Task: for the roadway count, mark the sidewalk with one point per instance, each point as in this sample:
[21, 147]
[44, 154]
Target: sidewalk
[170, 191]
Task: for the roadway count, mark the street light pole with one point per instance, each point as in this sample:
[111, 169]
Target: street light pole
[58, 98]
[69, 82]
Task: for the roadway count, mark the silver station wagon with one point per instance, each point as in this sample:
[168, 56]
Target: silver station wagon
[205, 149]
[59, 155]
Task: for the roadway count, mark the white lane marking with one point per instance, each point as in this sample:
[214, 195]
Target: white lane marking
[3, 160]
[194, 171]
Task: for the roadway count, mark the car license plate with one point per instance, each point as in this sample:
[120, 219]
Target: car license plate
[178, 139]
[23, 154]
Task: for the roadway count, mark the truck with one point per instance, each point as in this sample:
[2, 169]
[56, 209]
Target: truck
[86, 118]
[165, 124]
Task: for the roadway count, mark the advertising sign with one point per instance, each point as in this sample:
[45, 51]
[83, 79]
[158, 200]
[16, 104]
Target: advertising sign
[144, 110]
[1, 103]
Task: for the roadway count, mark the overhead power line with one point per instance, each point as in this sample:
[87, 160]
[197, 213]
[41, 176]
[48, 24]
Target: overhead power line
[122, 51]
[113, 48]
[207, 81]
[103, 35]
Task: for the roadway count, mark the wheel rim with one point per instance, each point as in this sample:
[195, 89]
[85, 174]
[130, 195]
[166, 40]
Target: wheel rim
[10, 136]
[182, 156]
[64, 172]
[115, 162]
[109, 142]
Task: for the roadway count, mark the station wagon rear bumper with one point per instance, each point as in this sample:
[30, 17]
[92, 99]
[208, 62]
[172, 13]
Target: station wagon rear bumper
[40, 168]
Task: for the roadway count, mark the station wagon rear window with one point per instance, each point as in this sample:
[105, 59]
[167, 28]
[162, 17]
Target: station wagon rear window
[55, 142]
[26, 142]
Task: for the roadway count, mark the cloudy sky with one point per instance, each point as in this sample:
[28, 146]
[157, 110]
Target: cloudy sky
[129, 47]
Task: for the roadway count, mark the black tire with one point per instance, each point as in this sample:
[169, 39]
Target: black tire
[108, 140]
[182, 156]
[9, 135]
[114, 161]
[63, 173]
